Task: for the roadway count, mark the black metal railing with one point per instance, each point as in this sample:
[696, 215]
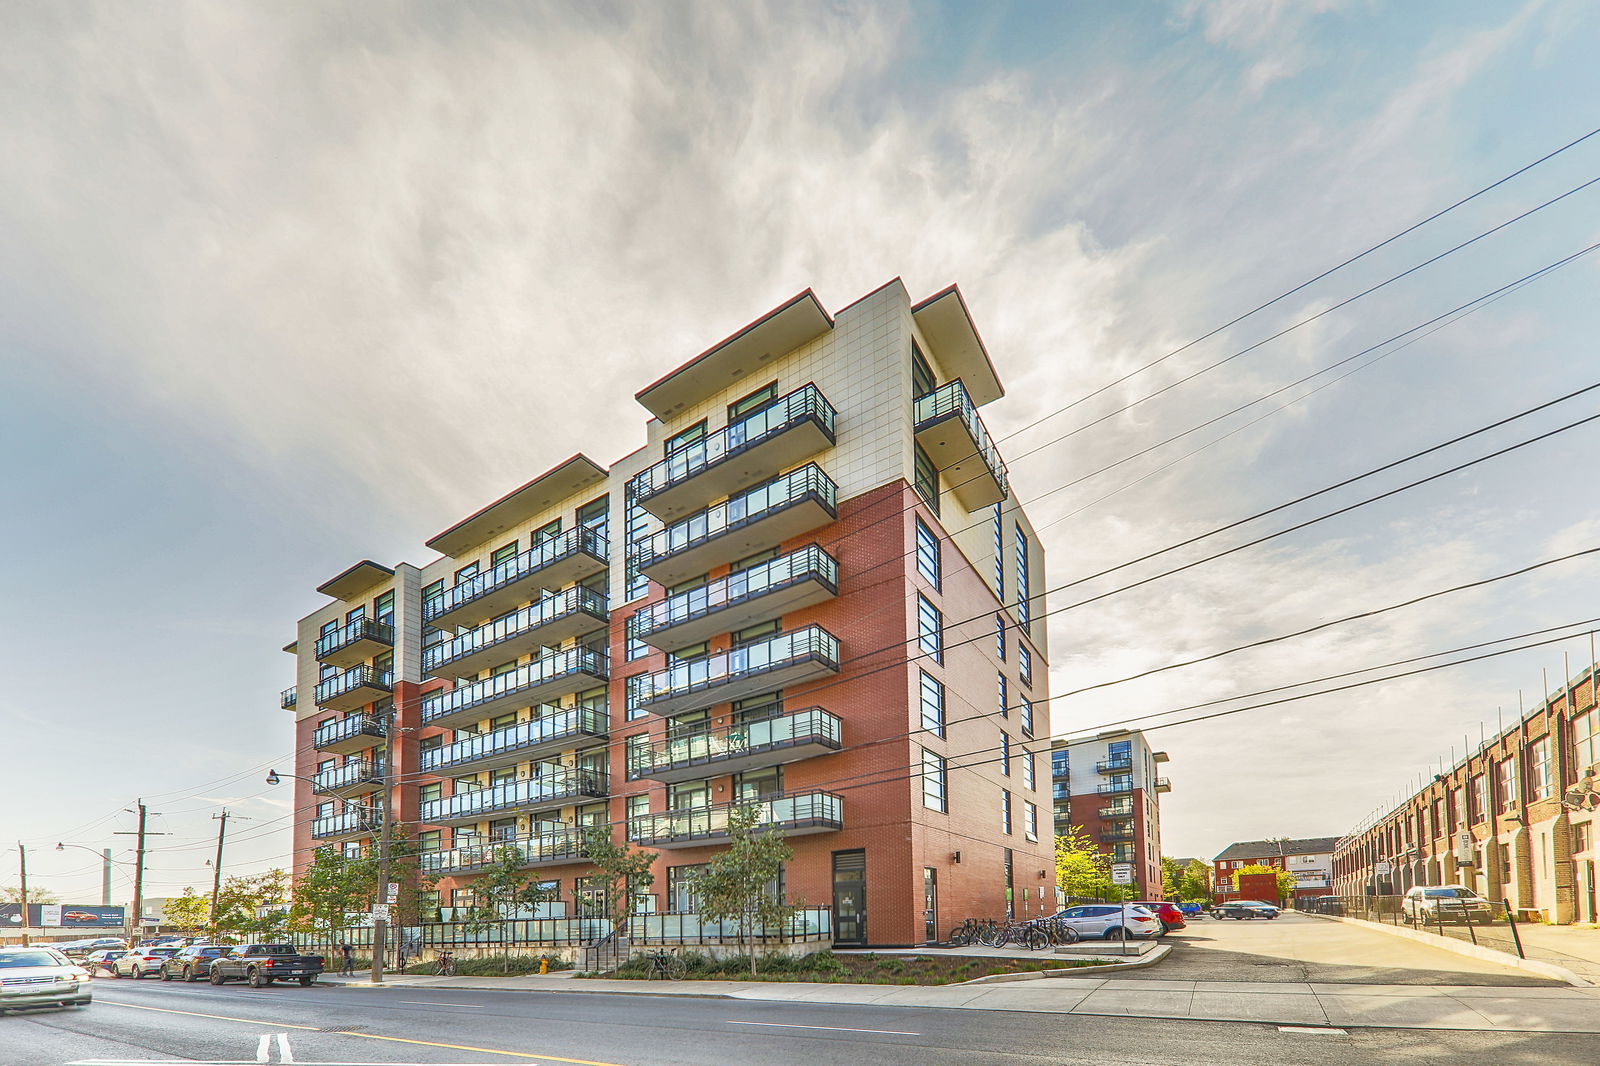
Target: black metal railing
[350, 774]
[767, 499]
[1112, 788]
[810, 563]
[360, 629]
[541, 671]
[554, 783]
[1114, 766]
[556, 846]
[360, 820]
[363, 676]
[570, 723]
[798, 811]
[575, 541]
[809, 924]
[810, 726]
[951, 399]
[712, 671]
[348, 728]
[579, 599]
[286, 698]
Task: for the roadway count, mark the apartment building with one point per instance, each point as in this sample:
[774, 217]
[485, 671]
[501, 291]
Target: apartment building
[1108, 786]
[1515, 819]
[813, 590]
[1308, 859]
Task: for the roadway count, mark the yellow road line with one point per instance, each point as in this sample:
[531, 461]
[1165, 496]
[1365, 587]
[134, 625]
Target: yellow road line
[363, 1036]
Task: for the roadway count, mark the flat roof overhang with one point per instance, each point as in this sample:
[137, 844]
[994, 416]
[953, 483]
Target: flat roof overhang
[779, 331]
[945, 321]
[559, 483]
[359, 578]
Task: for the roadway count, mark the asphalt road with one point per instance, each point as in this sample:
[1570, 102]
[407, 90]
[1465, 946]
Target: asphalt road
[146, 1023]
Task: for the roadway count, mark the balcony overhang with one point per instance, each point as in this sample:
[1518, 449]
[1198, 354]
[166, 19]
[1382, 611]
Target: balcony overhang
[957, 348]
[565, 626]
[571, 567]
[796, 672]
[543, 802]
[359, 649]
[338, 829]
[471, 859]
[355, 697]
[358, 784]
[511, 756]
[948, 441]
[702, 828]
[736, 762]
[540, 692]
[806, 513]
[811, 590]
[737, 357]
[1160, 756]
[368, 734]
[760, 462]
[354, 581]
[520, 505]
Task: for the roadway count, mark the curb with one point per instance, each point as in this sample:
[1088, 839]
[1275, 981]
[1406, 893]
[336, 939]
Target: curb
[1148, 959]
[1471, 951]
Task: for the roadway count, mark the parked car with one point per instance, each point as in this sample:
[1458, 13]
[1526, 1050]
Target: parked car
[41, 977]
[1166, 913]
[1192, 909]
[1333, 905]
[1446, 903]
[1244, 908]
[191, 963]
[141, 962]
[98, 962]
[1110, 921]
[262, 964]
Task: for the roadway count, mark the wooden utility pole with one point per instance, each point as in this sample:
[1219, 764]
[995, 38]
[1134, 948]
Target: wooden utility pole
[216, 873]
[137, 917]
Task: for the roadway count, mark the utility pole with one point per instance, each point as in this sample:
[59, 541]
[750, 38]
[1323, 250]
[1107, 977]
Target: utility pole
[137, 917]
[380, 926]
[22, 851]
[216, 873]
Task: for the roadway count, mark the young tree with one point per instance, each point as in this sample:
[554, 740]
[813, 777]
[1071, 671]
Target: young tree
[1082, 869]
[13, 895]
[189, 911]
[333, 886]
[1195, 884]
[254, 904]
[501, 889]
[1171, 877]
[739, 884]
[621, 871]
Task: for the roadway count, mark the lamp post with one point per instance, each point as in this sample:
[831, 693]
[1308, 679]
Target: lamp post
[105, 872]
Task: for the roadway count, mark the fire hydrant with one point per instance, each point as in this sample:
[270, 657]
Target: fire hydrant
[544, 964]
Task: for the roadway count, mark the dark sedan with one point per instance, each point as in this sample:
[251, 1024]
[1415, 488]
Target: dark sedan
[1245, 908]
[192, 963]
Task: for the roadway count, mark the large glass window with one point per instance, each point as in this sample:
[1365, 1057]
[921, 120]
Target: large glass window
[596, 515]
[686, 437]
[1585, 742]
[1005, 811]
[1024, 586]
[925, 478]
[681, 895]
[932, 705]
[1024, 664]
[1539, 784]
[930, 629]
[922, 379]
[1005, 700]
[998, 523]
[641, 526]
[383, 608]
[928, 554]
[1000, 635]
[1506, 774]
[1027, 770]
[933, 782]
[1027, 716]
[755, 401]
[1005, 754]
[503, 554]
[1030, 820]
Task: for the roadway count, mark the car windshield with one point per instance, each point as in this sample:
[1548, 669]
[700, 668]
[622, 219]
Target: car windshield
[28, 958]
[161, 951]
[1447, 893]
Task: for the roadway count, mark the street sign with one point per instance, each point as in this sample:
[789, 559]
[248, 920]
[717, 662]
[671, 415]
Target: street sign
[1122, 873]
[393, 893]
[380, 912]
[1380, 868]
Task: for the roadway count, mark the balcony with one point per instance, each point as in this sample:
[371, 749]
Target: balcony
[805, 813]
[752, 449]
[517, 743]
[735, 749]
[356, 687]
[539, 681]
[286, 698]
[759, 593]
[349, 734]
[554, 787]
[1115, 836]
[357, 775]
[1117, 810]
[773, 663]
[950, 431]
[553, 563]
[785, 507]
[576, 612]
[355, 643]
[1114, 788]
[1114, 766]
[544, 849]
[1160, 756]
[1163, 785]
[356, 821]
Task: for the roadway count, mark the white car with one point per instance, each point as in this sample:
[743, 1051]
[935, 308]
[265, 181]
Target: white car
[41, 977]
[1446, 903]
[1109, 921]
[142, 962]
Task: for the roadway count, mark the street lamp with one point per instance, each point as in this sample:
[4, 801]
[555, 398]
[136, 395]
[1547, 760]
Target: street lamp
[105, 873]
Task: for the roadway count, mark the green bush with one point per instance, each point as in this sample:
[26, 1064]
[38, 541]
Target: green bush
[493, 966]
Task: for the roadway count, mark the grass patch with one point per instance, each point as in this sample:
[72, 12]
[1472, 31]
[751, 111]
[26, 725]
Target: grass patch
[826, 967]
[493, 966]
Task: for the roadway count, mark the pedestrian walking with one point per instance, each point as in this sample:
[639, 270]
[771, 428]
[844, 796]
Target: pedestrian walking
[348, 965]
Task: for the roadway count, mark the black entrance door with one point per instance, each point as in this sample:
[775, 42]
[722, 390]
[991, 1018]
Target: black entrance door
[850, 897]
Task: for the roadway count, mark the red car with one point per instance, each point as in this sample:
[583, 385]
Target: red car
[1171, 917]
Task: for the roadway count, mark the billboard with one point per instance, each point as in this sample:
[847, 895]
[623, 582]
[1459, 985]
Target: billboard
[63, 916]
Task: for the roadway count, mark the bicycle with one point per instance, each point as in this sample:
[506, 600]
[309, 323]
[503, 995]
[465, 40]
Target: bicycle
[667, 966]
[445, 964]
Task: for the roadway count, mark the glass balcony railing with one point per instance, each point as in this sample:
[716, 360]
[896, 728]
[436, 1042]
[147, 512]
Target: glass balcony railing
[812, 726]
[807, 811]
[352, 774]
[1112, 788]
[948, 401]
[810, 563]
[361, 730]
[570, 724]
[573, 666]
[579, 600]
[286, 698]
[808, 483]
[1163, 784]
[575, 542]
[1115, 836]
[362, 682]
[1117, 810]
[800, 407]
[1114, 766]
[564, 845]
[361, 631]
[554, 785]
[705, 680]
[346, 823]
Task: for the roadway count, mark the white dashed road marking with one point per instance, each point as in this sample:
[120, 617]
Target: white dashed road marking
[829, 1028]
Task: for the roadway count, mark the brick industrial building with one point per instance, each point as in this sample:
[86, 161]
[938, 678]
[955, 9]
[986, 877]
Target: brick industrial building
[1514, 820]
[812, 590]
[1108, 786]
[1309, 860]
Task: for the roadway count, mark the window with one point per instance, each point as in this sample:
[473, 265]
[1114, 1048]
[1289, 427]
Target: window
[922, 379]
[1506, 773]
[1005, 701]
[356, 614]
[1539, 769]
[928, 554]
[930, 629]
[686, 437]
[1000, 635]
[1027, 716]
[467, 573]
[352, 849]
[550, 529]
[925, 478]
[596, 515]
[430, 792]
[1024, 664]
[641, 524]
[758, 632]
[638, 806]
[1060, 765]
[1476, 790]
[1028, 771]
[637, 649]
[932, 705]
[432, 592]
[1585, 742]
[383, 608]
[1005, 754]
[503, 554]
[762, 397]
[1024, 608]
[681, 895]
[1005, 811]
[1030, 820]
[933, 782]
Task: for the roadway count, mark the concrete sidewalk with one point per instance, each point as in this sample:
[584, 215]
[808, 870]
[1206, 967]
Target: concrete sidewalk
[1454, 1007]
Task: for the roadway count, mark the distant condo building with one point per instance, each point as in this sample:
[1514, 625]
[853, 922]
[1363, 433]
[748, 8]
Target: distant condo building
[812, 591]
[1109, 787]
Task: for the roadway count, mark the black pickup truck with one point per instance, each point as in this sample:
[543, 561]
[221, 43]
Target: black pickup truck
[262, 964]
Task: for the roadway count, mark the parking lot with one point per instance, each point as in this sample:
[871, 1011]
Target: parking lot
[1302, 948]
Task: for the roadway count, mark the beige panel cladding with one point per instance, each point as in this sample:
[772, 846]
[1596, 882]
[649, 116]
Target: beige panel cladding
[408, 629]
[308, 629]
[567, 510]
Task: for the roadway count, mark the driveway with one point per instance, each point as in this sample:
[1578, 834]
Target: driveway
[1300, 948]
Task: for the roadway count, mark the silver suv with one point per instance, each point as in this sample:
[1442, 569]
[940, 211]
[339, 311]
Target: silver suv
[1446, 903]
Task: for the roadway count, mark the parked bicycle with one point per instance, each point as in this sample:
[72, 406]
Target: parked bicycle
[972, 931]
[445, 964]
[667, 966]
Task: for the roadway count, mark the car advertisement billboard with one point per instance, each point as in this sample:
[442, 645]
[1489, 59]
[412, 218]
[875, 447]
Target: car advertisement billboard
[63, 916]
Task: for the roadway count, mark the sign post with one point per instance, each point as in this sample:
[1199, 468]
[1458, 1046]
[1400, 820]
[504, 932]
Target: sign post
[1122, 874]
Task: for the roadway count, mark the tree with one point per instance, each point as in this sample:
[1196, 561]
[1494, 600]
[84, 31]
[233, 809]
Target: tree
[1171, 877]
[13, 895]
[255, 904]
[621, 872]
[188, 911]
[501, 889]
[333, 886]
[1286, 881]
[1195, 884]
[1082, 869]
[740, 884]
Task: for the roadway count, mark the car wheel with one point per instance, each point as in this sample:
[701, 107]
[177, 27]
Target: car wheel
[307, 982]
[256, 979]
[1116, 933]
[216, 977]
[165, 975]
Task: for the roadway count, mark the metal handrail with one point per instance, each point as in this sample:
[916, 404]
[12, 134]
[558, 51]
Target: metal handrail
[709, 671]
[553, 783]
[951, 398]
[577, 660]
[578, 598]
[802, 564]
[785, 730]
[563, 724]
[360, 629]
[353, 678]
[751, 505]
[550, 550]
[691, 822]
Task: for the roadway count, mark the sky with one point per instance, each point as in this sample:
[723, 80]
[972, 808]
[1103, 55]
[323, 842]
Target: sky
[285, 287]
